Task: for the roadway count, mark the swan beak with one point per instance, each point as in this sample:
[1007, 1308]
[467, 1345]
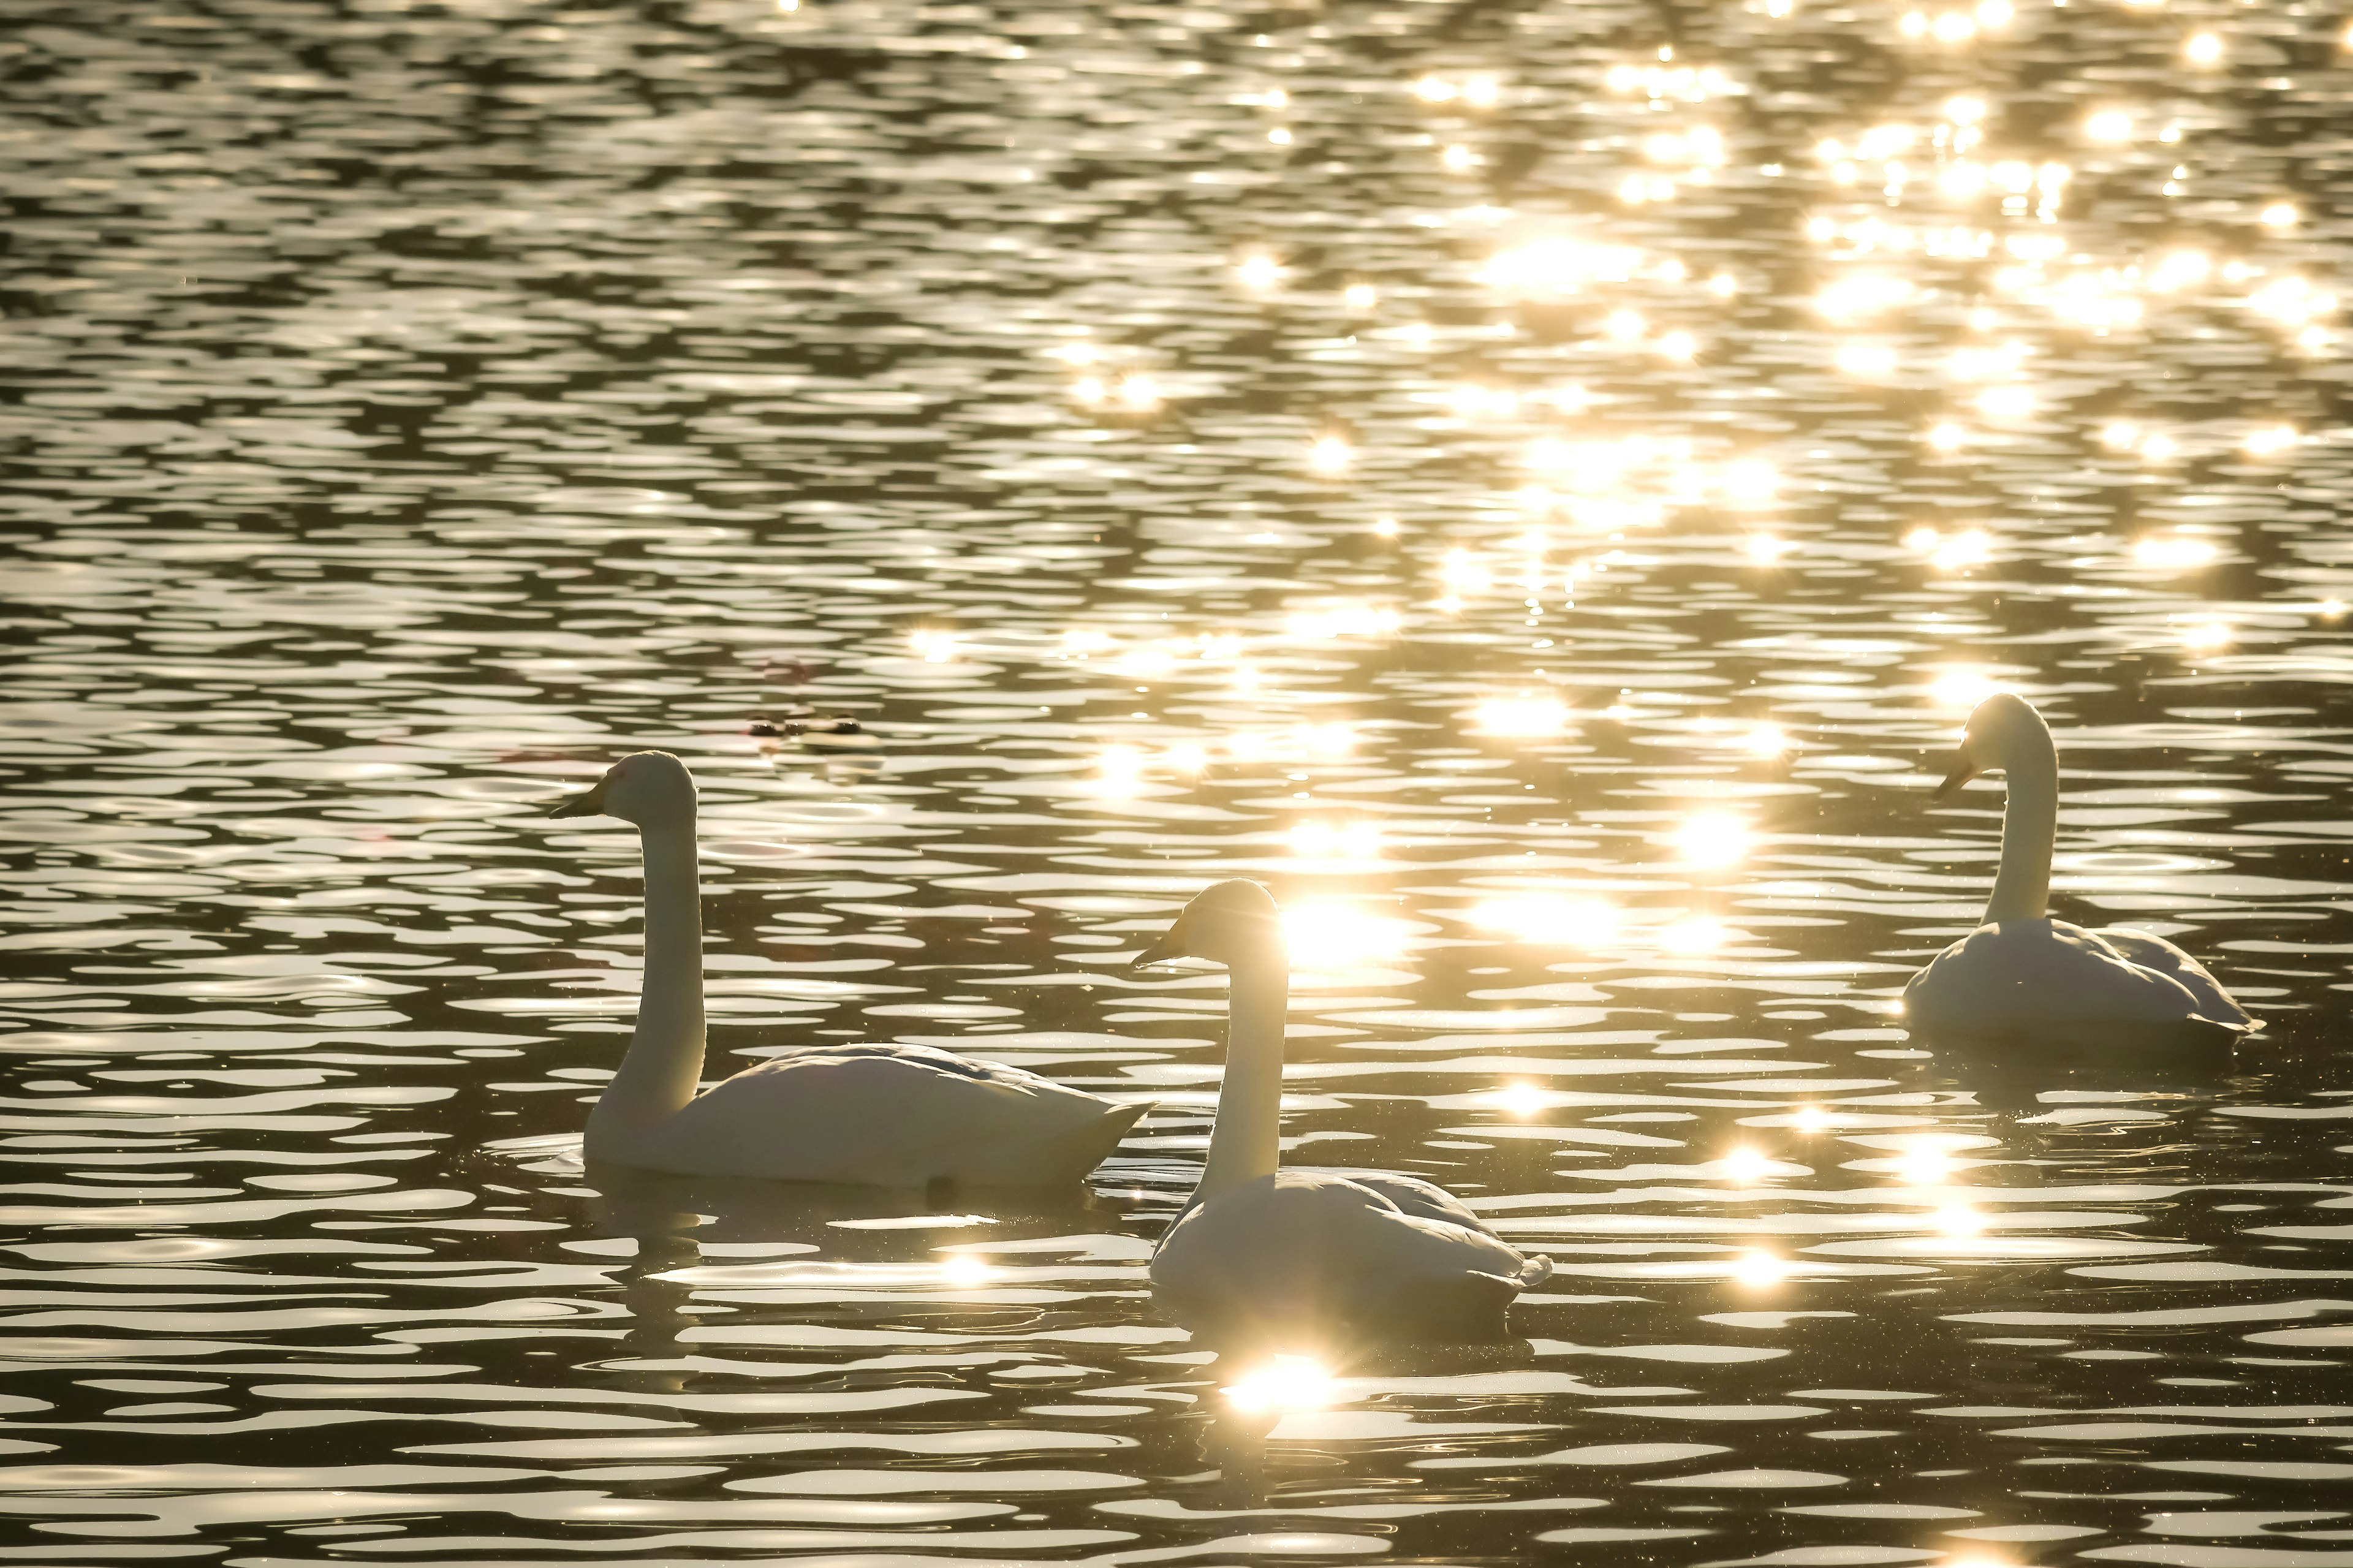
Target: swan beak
[589, 805]
[1963, 772]
[1164, 948]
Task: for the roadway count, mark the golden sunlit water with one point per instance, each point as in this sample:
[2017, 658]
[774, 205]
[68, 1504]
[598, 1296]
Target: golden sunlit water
[1538, 485]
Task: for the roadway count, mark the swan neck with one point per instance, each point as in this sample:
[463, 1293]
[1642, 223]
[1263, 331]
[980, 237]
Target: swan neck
[2030, 831]
[664, 1064]
[1246, 1143]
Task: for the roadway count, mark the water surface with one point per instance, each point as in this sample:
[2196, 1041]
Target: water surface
[1537, 484]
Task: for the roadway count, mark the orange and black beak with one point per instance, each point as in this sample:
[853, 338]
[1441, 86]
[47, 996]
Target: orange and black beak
[1964, 770]
[1168, 944]
[591, 804]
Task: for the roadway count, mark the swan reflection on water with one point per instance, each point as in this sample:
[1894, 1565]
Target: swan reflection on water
[729, 1243]
[2020, 1088]
[1253, 1393]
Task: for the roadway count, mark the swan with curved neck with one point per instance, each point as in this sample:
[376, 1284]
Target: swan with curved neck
[871, 1115]
[2023, 976]
[1265, 1252]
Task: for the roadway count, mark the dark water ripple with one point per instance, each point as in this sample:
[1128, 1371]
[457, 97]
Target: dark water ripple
[409, 406]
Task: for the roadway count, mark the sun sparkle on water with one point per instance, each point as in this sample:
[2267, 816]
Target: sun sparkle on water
[933, 646]
[1924, 1162]
[1549, 918]
[1693, 934]
[1713, 839]
[1344, 840]
[1961, 688]
[1522, 716]
[1282, 1383]
[1182, 476]
[1520, 1100]
[1958, 1220]
[1325, 933]
[1120, 771]
[1952, 552]
[2176, 553]
[2207, 636]
[1744, 1166]
[964, 1269]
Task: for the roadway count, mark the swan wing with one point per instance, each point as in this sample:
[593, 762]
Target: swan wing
[1412, 1195]
[1304, 1248]
[2147, 952]
[2043, 978]
[891, 1116]
[919, 1059]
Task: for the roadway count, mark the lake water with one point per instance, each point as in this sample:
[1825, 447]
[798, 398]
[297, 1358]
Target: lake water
[1536, 484]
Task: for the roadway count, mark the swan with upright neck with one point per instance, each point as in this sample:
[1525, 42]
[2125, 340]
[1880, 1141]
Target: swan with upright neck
[870, 1115]
[1263, 1252]
[2023, 977]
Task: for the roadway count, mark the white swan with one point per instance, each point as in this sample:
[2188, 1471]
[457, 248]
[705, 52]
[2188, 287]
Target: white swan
[872, 1115]
[2023, 976]
[1261, 1251]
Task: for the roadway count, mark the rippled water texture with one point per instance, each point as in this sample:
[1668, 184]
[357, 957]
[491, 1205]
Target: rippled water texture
[1537, 484]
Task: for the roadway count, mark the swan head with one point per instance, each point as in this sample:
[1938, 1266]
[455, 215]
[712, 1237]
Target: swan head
[643, 787]
[1232, 924]
[2003, 731]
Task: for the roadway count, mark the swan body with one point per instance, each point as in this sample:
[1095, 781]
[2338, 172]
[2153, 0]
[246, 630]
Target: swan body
[1324, 1248]
[2022, 976]
[867, 1114]
[884, 1116]
[1259, 1251]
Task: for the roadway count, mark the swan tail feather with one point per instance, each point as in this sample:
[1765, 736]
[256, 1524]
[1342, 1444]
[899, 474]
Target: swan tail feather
[2213, 1003]
[1084, 1147]
[1475, 1308]
[1532, 1272]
